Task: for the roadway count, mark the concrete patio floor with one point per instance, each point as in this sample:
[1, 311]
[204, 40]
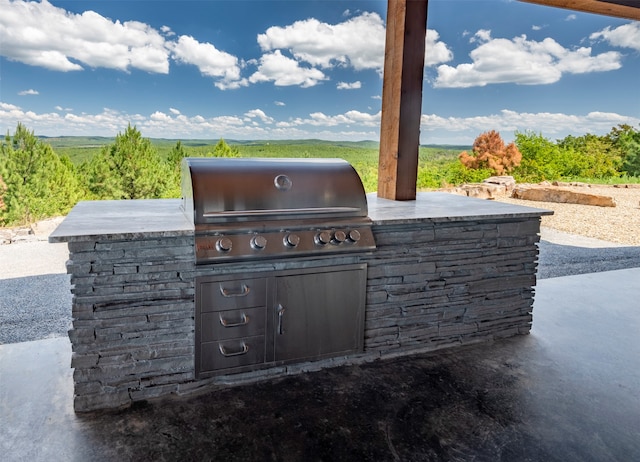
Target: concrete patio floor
[569, 391]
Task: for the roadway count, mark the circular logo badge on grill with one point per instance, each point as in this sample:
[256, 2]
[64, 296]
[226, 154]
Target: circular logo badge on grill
[283, 182]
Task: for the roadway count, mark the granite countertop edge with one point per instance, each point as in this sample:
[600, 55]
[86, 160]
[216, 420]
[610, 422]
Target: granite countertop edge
[156, 218]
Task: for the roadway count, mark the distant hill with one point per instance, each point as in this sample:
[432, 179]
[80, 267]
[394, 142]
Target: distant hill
[98, 141]
[77, 141]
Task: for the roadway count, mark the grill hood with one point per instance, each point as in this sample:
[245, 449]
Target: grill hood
[235, 190]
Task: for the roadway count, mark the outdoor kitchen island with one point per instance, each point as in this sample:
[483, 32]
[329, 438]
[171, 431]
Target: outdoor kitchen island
[448, 270]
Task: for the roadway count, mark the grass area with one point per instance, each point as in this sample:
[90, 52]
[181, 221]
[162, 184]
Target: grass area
[606, 181]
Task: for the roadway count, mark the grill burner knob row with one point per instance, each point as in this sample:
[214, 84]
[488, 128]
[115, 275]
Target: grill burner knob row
[224, 244]
[258, 242]
[291, 240]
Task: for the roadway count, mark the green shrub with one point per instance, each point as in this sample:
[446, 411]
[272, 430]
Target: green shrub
[368, 175]
[626, 140]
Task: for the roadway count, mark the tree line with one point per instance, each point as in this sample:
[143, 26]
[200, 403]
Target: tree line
[36, 183]
[532, 158]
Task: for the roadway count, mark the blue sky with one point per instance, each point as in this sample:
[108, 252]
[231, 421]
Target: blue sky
[301, 69]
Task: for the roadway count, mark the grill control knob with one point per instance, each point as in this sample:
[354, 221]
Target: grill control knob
[354, 235]
[258, 242]
[339, 237]
[224, 244]
[291, 240]
[323, 238]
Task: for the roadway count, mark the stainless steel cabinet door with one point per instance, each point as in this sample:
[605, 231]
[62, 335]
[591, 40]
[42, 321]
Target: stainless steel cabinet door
[319, 314]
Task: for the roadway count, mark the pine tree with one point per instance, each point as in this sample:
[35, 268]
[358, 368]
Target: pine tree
[37, 182]
[128, 169]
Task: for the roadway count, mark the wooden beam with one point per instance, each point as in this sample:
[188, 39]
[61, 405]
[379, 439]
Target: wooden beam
[402, 99]
[629, 9]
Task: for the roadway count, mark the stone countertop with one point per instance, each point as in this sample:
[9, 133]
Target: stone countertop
[123, 219]
[440, 206]
[127, 219]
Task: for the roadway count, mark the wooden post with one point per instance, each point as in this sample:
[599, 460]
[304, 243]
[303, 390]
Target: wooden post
[402, 99]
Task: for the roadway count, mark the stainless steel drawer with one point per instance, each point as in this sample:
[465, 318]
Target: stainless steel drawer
[231, 353]
[222, 325]
[230, 295]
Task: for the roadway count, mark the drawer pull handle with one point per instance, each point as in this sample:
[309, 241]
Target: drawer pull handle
[244, 321]
[244, 291]
[226, 353]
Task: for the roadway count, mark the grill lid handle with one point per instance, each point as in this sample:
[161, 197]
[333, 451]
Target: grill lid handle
[281, 212]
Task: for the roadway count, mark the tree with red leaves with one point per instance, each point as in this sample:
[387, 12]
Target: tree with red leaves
[489, 151]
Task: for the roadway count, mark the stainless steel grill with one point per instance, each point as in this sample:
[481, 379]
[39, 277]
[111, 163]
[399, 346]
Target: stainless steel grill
[256, 209]
[273, 208]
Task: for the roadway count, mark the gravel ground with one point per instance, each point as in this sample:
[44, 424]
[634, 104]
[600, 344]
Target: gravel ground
[35, 300]
[35, 297]
[620, 224]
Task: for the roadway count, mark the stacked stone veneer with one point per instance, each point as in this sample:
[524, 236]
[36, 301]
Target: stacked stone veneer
[431, 284]
[133, 326]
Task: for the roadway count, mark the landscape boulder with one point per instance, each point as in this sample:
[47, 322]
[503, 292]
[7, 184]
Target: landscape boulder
[506, 181]
[490, 188]
[563, 196]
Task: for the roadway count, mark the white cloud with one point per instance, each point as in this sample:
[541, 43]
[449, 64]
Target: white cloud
[259, 114]
[279, 103]
[28, 92]
[358, 43]
[350, 125]
[254, 124]
[40, 34]
[210, 61]
[507, 122]
[160, 117]
[284, 71]
[522, 61]
[349, 86]
[349, 118]
[436, 52]
[571, 17]
[174, 111]
[483, 35]
[166, 30]
[625, 36]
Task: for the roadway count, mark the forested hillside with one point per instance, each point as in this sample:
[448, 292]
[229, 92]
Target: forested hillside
[42, 177]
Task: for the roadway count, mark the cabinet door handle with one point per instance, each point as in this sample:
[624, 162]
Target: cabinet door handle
[244, 291]
[280, 311]
[243, 321]
[226, 353]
